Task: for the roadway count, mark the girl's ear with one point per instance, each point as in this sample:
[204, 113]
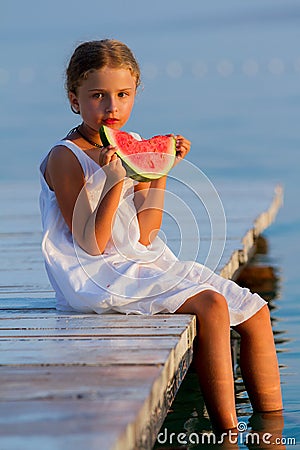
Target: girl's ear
[74, 103]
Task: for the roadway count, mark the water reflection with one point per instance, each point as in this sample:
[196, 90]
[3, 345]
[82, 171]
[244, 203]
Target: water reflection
[188, 415]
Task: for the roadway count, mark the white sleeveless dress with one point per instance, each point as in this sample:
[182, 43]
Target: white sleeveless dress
[128, 277]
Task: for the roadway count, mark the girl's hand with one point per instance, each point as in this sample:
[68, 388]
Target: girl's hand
[111, 164]
[183, 146]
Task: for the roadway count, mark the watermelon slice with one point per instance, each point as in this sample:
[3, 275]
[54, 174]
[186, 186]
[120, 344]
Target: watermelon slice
[145, 160]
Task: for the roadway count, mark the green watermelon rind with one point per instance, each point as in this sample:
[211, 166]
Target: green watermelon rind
[107, 138]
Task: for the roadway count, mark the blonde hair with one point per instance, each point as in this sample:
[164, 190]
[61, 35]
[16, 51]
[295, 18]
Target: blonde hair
[94, 55]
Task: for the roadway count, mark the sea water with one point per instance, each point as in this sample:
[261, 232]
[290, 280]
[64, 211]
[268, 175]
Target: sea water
[224, 74]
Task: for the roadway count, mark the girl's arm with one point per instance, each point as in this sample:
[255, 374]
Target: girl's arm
[64, 175]
[149, 198]
[149, 202]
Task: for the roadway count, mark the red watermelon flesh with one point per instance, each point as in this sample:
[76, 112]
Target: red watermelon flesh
[144, 160]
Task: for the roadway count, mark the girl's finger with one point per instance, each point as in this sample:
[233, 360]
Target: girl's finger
[110, 150]
[106, 155]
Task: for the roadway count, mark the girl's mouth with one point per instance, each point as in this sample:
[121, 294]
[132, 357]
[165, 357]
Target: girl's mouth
[109, 122]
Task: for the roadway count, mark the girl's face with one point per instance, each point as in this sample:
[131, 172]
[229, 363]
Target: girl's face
[106, 97]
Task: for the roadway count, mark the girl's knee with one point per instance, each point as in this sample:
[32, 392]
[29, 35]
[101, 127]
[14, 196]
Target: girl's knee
[259, 323]
[264, 313]
[213, 305]
[207, 305]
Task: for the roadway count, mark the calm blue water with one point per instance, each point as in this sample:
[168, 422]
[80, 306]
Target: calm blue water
[224, 74]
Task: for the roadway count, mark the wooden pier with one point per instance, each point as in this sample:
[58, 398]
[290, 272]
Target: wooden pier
[85, 381]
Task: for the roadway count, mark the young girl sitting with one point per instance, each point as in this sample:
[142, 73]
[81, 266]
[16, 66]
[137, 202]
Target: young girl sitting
[102, 253]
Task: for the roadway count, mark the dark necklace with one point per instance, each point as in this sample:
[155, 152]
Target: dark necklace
[95, 144]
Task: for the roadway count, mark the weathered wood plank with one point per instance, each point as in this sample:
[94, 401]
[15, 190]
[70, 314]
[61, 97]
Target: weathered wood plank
[26, 303]
[136, 428]
[88, 399]
[89, 350]
[266, 216]
[86, 424]
[114, 325]
[63, 382]
[139, 333]
[75, 321]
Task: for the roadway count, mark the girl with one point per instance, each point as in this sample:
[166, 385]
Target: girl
[102, 253]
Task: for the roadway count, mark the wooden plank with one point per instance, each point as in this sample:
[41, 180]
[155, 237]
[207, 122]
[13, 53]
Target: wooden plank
[63, 382]
[41, 325]
[26, 303]
[140, 383]
[87, 333]
[75, 321]
[90, 350]
[85, 424]
[241, 256]
[111, 391]
[136, 428]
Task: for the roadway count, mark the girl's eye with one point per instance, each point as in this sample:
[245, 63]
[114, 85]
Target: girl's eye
[122, 94]
[98, 95]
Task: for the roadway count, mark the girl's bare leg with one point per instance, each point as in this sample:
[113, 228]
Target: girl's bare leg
[213, 356]
[258, 362]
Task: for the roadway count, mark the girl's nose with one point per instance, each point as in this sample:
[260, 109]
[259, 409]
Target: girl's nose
[111, 105]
